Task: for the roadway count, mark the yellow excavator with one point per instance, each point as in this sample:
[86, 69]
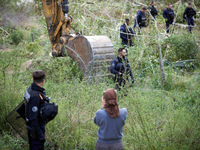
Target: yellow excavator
[92, 53]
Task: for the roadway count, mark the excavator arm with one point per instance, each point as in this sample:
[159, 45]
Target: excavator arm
[92, 53]
[58, 23]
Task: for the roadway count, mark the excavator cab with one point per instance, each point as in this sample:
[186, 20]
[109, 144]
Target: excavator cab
[93, 54]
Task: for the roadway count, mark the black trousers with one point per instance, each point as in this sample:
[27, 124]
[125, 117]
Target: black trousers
[167, 26]
[190, 24]
[168, 23]
[35, 144]
[120, 82]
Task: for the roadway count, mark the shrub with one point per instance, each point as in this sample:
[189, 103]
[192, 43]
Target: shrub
[180, 47]
[17, 36]
[59, 69]
[33, 47]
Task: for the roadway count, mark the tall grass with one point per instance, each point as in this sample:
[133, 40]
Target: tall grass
[156, 119]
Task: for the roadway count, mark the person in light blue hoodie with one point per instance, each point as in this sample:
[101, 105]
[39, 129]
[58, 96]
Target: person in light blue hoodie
[110, 120]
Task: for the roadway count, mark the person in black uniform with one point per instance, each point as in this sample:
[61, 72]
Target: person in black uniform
[140, 20]
[169, 15]
[121, 68]
[34, 97]
[153, 10]
[188, 15]
[126, 34]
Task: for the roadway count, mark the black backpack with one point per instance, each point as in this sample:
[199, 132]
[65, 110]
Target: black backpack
[48, 111]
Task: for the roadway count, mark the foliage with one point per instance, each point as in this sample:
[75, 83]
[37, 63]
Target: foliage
[180, 47]
[65, 68]
[33, 47]
[10, 142]
[179, 10]
[17, 36]
[5, 3]
[38, 8]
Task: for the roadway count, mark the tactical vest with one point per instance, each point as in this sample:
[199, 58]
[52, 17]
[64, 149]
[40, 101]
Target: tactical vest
[143, 19]
[190, 12]
[47, 111]
[122, 67]
[171, 15]
[29, 93]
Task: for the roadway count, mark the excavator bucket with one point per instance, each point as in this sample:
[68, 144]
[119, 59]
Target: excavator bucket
[93, 55]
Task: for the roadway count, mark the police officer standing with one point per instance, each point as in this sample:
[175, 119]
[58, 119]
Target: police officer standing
[169, 15]
[121, 68]
[153, 10]
[34, 97]
[140, 20]
[126, 34]
[188, 15]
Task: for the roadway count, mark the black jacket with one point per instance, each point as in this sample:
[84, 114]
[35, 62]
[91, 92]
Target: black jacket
[140, 19]
[189, 13]
[153, 10]
[169, 15]
[120, 65]
[35, 96]
[124, 30]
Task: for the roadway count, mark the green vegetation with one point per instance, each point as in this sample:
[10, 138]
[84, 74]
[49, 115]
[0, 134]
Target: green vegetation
[17, 36]
[180, 47]
[157, 119]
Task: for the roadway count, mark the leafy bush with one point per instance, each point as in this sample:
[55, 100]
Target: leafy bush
[33, 47]
[180, 47]
[59, 69]
[17, 36]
